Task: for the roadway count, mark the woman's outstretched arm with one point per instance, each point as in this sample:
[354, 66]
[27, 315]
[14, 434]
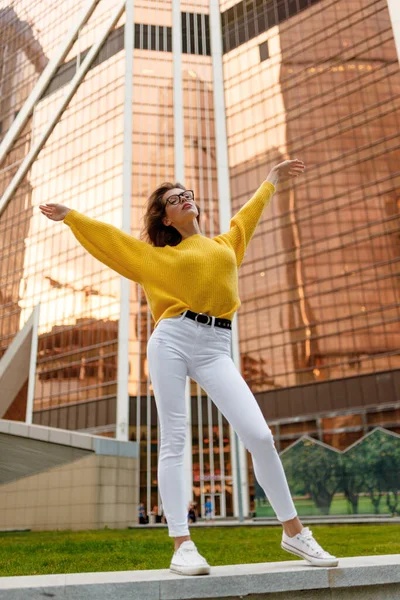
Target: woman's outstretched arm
[120, 251]
[244, 223]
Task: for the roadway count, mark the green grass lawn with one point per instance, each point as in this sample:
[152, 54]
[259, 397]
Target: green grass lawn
[34, 553]
[339, 506]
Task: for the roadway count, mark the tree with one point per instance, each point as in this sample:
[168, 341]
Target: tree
[352, 472]
[379, 452]
[318, 467]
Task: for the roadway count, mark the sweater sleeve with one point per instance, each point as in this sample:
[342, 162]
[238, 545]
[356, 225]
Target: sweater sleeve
[124, 253]
[243, 224]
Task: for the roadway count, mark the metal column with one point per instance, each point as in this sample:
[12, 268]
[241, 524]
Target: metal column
[122, 416]
[238, 451]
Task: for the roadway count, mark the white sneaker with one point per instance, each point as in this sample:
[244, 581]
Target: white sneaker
[304, 545]
[187, 561]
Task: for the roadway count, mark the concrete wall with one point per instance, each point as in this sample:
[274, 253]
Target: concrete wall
[89, 493]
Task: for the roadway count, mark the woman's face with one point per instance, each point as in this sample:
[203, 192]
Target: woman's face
[181, 213]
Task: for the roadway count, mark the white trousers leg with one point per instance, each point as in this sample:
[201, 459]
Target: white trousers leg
[179, 347]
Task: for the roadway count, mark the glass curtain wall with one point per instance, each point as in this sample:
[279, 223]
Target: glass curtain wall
[314, 79]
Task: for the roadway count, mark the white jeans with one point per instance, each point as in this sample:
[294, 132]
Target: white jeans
[179, 347]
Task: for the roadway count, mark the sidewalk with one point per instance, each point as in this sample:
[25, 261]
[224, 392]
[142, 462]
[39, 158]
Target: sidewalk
[259, 521]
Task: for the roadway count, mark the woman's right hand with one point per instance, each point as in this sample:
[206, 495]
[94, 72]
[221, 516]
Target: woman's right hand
[55, 212]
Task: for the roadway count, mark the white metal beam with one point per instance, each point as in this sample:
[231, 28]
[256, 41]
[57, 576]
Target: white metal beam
[122, 416]
[32, 365]
[18, 364]
[238, 450]
[179, 150]
[79, 75]
[179, 175]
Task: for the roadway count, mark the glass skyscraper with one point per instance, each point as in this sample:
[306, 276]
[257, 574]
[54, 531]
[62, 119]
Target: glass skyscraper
[211, 94]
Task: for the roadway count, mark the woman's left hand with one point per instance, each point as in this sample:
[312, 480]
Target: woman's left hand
[286, 170]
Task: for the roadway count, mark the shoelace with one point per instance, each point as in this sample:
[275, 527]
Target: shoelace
[307, 534]
[191, 548]
[188, 548]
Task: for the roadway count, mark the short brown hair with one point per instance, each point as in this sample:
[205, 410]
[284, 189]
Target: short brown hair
[154, 231]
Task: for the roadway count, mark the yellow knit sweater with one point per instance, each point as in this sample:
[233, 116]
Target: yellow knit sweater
[200, 273]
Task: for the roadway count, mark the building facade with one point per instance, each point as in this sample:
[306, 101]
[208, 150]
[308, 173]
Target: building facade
[213, 95]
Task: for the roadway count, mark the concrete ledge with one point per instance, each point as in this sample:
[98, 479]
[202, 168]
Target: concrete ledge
[73, 439]
[366, 577]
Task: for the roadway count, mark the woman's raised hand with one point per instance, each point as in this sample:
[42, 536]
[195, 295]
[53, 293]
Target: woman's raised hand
[289, 168]
[285, 170]
[55, 212]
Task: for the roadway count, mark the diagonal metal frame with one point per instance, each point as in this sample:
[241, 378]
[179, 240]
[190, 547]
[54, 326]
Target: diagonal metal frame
[41, 85]
[18, 364]
[45, 78]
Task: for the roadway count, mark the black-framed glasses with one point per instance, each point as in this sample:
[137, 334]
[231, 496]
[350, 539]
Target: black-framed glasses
[187, 195]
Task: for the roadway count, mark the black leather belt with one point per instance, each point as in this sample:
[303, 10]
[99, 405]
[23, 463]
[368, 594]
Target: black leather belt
[207, 320]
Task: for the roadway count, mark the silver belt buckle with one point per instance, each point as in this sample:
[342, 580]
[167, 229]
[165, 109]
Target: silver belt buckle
[208, 317]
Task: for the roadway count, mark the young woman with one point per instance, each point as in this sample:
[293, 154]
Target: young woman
[191, 284]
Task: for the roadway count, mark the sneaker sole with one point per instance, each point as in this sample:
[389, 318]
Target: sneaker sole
[316, 562]
[204, 570]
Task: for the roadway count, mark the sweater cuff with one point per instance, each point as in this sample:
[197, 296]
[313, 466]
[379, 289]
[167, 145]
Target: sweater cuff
[67, 216]
[269, 185]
